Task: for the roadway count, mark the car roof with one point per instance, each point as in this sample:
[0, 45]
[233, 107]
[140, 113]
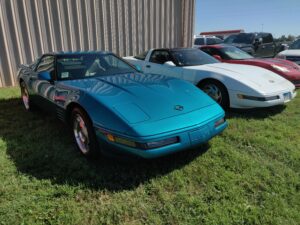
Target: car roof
[61, 53]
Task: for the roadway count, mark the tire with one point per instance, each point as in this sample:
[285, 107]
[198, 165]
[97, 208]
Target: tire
[25, 97]
[83, 133]
[217, 91]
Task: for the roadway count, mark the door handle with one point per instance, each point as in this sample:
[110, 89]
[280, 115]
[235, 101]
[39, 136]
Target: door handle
[148, 66]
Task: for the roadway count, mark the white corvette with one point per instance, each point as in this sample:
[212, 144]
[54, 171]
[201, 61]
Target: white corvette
[231, 85]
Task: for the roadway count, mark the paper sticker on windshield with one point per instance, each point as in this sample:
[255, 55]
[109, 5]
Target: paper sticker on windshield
[65, 75]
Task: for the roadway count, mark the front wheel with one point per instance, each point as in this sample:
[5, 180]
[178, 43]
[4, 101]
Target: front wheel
[216, 91]
[25, 97]
[83, 132]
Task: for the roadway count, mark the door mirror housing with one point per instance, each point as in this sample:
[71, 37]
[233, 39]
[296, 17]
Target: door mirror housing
[258, 41]
[169, 63]
[217, 57]
[138, 68]
[44, 75]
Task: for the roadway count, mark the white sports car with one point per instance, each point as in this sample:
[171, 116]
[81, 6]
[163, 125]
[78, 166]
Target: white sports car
[231, 85]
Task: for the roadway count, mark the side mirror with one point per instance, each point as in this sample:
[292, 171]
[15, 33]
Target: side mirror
[217, 57]
[258, 41]
[138, 68]
[169, 63]
[45, 75]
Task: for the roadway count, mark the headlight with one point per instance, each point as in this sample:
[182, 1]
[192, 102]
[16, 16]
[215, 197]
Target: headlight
[147, 145]
[262, 99]
[280, 68]
[280, 56]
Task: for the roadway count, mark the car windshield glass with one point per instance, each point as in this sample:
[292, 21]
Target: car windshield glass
[192, 57]
[235, 53]
[295, 45]
[240, 39]
[141, 56]
[90, 65]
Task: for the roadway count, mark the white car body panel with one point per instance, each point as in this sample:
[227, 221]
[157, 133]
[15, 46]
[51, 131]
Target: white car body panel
[238, 79]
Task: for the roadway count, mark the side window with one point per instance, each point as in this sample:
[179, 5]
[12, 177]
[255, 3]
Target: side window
[199, 41]
[267, 38]
[210, 41]
[46, 64]
[160, 57]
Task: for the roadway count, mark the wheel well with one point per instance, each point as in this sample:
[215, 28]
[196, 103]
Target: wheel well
[214, 80]
[21, 80]
[70, 108]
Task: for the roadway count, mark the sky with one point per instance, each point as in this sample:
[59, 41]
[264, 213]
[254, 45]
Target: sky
[279, 17]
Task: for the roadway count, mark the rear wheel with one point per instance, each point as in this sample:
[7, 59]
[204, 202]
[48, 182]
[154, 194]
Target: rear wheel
[217, 91]
[83, 132]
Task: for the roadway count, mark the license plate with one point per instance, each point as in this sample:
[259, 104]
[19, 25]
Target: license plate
[200, 135]
[287, 96]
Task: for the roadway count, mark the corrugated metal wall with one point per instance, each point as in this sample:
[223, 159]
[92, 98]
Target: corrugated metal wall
[29, 28]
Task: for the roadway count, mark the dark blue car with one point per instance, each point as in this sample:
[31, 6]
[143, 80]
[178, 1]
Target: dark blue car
[111, 106]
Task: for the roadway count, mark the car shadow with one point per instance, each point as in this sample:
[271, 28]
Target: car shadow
[255, 113]
[42, 147]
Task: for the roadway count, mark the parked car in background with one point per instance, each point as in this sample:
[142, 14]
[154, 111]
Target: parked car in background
[110, 106]
[231, 85]
[230, 54]
[292, 54]
[206, 40]
[255, 44]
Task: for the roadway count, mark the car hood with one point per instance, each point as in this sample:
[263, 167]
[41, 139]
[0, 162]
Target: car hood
[139, 97]
[268, 62]
[257, 78]
[290, 52]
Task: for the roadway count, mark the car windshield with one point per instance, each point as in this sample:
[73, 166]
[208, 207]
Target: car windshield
[192, 57]
[235, 53]
[295, 45]
[240, 39]
[90, 65]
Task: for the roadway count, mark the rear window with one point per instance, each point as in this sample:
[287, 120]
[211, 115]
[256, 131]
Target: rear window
[199, 41]
[141, 56]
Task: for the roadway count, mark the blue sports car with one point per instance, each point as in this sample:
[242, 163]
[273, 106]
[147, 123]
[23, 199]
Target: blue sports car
[111, 106]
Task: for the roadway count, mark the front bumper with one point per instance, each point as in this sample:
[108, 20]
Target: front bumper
[236, 102]
[187, 139]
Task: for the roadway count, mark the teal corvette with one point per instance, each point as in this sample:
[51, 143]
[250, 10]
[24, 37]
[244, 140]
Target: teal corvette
[111, 107]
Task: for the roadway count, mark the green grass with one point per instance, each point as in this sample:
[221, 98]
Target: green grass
[248, 175]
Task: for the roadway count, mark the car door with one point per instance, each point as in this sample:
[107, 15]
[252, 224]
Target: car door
[44, 90]
[268, 45]
[156, 64]
[259, 46]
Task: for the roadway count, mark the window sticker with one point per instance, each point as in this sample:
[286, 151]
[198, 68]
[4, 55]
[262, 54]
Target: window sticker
[65, 75]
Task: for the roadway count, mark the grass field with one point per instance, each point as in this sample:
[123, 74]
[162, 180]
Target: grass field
[248, 175]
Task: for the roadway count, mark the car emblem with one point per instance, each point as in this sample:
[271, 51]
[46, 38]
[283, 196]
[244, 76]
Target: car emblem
[178, 107]
[271, 81]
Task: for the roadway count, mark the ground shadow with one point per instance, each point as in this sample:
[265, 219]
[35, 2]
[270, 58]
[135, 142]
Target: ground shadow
[42, 147]
[255, 113]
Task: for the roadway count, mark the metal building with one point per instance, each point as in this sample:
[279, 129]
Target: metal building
[29, 28]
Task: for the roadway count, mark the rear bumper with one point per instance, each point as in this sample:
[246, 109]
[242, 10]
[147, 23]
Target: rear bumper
[187, 139]
[236, 102]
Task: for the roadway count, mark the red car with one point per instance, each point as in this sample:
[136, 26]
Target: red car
[231, 54]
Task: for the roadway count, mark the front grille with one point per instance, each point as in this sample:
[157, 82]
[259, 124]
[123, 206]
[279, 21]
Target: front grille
[294, 58]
